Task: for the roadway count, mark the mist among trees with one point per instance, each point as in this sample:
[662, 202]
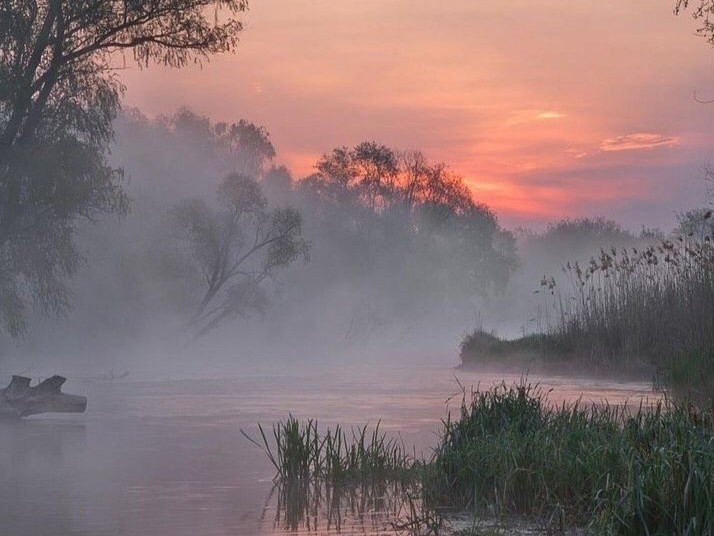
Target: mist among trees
[58, 99]
[221, 241]
[116, 227]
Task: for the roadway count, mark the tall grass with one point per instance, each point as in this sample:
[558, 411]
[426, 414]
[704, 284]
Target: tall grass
[300, 450]
[643, 309]
[655, 304]
[650, 472]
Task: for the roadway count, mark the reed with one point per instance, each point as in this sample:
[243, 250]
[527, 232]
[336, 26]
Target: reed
[655, 304]
[647, 472]
[300, 450]
[634, 309]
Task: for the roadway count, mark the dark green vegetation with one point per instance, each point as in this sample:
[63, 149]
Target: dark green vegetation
[58, 97]
[483, 347]
[329, 474]
[648, 308]
[300, 451]
[648, 471]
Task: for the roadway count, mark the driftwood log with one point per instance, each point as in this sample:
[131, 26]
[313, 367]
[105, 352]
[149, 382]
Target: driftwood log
[20, 400]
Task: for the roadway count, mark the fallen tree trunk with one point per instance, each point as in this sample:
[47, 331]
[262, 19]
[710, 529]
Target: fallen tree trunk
[20, 400]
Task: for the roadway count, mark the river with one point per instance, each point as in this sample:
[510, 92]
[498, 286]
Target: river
[167, 458]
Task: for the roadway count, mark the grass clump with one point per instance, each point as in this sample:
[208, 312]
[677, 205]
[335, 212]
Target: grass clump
[483, 347]
[510, 453]
[639, 309]
[654, 304]
[649, 472]
[300, 450]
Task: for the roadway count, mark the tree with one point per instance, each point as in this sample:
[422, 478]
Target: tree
[697, 223]
[249, 146]
[590, 233]
[236, 247]
[395, 219]
[58, 97]
[277, 184]
[245, 145]
[703, 12]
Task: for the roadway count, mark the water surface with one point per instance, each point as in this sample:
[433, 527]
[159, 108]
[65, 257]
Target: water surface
[168, 459]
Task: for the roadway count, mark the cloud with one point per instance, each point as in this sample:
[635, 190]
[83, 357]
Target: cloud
[506, 113]
[637, 141]
[519, 116]
[550, 115]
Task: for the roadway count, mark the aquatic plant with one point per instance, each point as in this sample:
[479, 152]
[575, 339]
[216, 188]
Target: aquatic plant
[650, 471]
[616, 470]
[643, 309]
[654, 304]
[300, 450]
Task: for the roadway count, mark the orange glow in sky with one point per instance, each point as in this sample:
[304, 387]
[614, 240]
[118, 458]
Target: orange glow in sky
[548, 108]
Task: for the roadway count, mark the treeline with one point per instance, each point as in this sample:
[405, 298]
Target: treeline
[376, 239]
[391, 235]
[644, 304]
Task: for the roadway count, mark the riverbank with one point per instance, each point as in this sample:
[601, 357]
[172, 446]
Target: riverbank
[512, 454]
[687, 374]
[616, 471]
[647, 312]
[545, 354]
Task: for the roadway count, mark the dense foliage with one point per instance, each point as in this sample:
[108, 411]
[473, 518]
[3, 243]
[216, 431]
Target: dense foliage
[58, 98]
[647, 471]
[411, 226]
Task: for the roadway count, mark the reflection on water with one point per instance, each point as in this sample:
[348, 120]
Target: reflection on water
[327, 507]
[167, 458]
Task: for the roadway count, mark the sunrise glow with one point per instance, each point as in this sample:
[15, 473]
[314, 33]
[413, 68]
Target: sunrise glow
[537, 128]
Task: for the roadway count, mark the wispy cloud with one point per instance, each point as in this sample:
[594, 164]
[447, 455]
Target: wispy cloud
[451, 82]
[637, 141]
[550, 115]
[520, 116]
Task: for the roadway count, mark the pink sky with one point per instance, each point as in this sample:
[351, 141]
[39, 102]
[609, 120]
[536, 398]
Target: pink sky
[547, 108]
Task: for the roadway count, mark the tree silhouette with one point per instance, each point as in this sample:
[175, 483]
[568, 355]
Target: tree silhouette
[702, 12]
[58, 97]
[236, 247]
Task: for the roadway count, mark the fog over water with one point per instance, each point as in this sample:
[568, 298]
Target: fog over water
[376, 280]
[168, 458]
[375, 218]
[365, 328]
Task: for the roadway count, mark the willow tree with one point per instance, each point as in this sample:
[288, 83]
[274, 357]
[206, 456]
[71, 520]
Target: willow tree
[58, 97]
[703, 11]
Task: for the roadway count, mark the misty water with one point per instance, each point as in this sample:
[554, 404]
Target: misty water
[168, 457]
